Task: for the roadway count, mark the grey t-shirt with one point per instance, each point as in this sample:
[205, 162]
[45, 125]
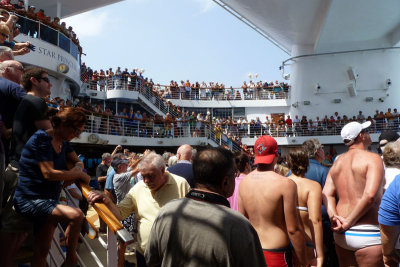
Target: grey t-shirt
[122, 184]
[189, 232]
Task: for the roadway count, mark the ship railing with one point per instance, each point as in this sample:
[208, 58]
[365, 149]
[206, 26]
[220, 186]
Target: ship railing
[314, 128]
[40, 30]
[116, 234]
[223, 94]
[164, 92]
[154, 97]
[130, 84]
[124, 126]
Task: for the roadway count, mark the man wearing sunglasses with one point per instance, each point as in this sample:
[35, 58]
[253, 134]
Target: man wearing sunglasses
[30, 116]
[352, 193]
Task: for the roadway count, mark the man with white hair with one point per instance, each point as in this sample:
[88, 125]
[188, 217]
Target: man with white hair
[184, 166]
[146, 198]
[352, 193]
[385, 138]
[11, 94]
[6, 53]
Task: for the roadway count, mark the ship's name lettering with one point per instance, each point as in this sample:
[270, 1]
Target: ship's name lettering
[48, 53]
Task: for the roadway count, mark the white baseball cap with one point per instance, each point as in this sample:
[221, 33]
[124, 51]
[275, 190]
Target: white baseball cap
[351, 130]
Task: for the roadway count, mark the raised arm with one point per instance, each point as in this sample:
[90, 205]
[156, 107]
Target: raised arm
[293, 223]
[116, 150]
[314, 212]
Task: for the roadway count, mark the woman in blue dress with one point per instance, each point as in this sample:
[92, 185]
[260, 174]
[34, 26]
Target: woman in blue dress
[43, 172]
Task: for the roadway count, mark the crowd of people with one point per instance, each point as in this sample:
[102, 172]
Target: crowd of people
[188, 205]
[205, 207]
[134, 81]
[185, 124]
[350, 227]
[196, 208]
[26, 21]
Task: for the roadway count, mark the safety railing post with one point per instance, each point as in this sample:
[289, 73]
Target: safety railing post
[91, 122]
[108, 124]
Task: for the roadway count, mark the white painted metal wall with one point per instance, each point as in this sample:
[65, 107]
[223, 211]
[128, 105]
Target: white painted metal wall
[330, 72]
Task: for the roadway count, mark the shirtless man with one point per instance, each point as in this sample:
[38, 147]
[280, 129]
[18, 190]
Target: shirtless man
[269, 200]
[355, 182]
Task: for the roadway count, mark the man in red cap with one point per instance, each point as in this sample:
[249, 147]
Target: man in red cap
[268, 200]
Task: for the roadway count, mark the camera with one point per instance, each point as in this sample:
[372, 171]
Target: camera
[31, 47]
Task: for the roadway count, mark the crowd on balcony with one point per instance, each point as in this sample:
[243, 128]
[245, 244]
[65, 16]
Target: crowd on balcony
[29, 26]
[223, 130]
[185, 90]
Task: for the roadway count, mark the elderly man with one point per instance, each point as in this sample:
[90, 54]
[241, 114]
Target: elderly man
[184, 166]
[316, 155]
[318, 173]
[201, 229]
[352, 194]
[146, 198]
[11, 93]
[389, 214]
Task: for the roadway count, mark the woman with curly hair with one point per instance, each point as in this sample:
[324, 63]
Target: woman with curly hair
[42, 174]
[309, 205]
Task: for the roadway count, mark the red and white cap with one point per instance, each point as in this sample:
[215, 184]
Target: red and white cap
[265, 150]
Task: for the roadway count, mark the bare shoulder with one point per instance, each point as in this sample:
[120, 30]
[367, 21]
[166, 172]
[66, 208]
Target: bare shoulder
[373, 156]
[287, 184]
[366, 158]
[311, 185]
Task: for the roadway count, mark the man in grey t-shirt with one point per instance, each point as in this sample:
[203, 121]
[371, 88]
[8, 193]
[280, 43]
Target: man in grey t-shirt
[122, 178]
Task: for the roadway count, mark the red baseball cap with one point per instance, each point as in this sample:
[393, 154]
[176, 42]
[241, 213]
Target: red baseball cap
[265, 150]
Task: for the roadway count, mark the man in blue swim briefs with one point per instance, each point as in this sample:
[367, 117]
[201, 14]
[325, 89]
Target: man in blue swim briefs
[352, 193]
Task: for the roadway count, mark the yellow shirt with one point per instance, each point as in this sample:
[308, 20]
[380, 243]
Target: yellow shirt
[146, 204]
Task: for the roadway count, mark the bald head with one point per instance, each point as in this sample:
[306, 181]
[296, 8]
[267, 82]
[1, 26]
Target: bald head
[11, 70]
[184, 152]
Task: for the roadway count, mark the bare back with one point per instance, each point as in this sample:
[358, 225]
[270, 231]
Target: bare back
[355, 174]
[261, 198]
[309, 196]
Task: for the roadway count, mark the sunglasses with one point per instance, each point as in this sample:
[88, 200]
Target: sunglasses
[4, 35]
[46, 79]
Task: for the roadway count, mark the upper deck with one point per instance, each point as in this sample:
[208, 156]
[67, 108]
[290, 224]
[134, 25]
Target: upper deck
[67, 8]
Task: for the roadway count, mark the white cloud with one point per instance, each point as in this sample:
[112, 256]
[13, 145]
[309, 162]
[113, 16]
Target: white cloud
[206, 5]
[88, 24]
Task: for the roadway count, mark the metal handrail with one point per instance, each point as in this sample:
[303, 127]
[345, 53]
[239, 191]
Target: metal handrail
[165, 92]
[39, 23]
[114, 230]
[124, 126]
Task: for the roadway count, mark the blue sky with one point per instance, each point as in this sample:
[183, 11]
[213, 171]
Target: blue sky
[176, 40]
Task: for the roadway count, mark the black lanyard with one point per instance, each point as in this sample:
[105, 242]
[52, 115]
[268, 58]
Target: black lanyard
[208, 197]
